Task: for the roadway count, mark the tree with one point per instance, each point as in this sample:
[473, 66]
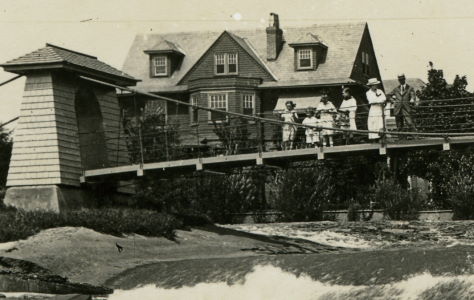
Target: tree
[443, 108]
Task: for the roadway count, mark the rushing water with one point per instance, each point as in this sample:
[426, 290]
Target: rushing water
[269, 282]
[368, 261]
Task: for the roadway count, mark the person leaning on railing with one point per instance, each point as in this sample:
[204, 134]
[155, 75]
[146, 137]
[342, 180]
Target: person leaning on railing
[288, 130]
[377, 100]
[327, 111]
[349, 108]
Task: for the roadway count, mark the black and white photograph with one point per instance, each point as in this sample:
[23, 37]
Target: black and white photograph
[228, 150]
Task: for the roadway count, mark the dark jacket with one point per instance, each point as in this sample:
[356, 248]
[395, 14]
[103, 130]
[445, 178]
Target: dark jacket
[402, 101]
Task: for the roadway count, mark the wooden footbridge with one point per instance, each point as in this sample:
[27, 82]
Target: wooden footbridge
[260, 154]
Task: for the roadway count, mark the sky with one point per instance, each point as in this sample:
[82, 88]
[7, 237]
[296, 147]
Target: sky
[407, 34]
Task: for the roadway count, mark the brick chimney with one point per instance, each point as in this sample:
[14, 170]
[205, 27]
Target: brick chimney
[274, 37]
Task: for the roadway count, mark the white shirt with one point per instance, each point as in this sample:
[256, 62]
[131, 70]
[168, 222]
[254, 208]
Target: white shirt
[312, 121]
[376, 97]
[349, 105]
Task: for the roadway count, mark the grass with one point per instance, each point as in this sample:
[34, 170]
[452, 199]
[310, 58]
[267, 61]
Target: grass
[17, 224]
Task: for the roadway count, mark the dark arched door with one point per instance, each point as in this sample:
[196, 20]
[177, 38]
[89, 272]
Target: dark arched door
[91, 130]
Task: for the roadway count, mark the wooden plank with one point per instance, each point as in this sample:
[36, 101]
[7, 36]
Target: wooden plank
[113, 170]
[170, 164]
[287, 155]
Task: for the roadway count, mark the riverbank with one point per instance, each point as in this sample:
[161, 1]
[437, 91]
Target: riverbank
[86, 256]
[325, 251]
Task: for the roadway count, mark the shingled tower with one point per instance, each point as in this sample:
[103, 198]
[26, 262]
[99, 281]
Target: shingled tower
[67, 124]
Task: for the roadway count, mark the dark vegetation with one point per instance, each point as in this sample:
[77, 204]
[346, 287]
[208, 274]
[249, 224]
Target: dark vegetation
[16, 224]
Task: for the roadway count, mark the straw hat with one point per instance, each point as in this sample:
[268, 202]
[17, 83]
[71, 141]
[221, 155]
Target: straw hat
[401, 75]
[373, 81]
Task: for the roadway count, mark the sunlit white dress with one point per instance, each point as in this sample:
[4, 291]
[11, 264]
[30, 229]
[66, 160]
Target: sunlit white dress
[375, 120]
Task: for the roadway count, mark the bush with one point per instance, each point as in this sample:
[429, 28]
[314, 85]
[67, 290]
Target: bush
[460, 189]
[17, 224]
[302, 193]
[397, 202]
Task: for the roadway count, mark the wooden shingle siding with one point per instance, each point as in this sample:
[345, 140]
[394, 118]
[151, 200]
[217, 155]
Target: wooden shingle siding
[247, 66]
[46, 149]
[112, 123]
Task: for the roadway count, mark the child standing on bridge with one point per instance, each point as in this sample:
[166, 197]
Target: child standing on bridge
[327, 111]
[289, 130]
[312, 134]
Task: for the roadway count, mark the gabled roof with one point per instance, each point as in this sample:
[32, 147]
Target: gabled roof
[342, 40]
[245, 46]
[52, 56]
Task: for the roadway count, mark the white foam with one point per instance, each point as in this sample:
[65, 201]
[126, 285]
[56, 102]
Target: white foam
[269, 282]
[325, 237]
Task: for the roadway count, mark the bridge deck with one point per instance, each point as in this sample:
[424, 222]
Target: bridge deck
[275, 157]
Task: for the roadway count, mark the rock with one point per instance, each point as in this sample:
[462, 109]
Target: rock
[2, 296]
[20, 276]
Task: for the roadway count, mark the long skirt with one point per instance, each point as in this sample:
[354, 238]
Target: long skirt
[375, 120]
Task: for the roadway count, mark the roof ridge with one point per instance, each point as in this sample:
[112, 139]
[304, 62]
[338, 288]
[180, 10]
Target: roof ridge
[69, 50]
[236, 31]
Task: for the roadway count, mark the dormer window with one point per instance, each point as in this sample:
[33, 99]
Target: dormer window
[165, 58]
[226, 63]
[159, 65]
[305, 58]
[310, 51]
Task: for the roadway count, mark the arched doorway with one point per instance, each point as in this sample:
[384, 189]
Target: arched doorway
[91, 131]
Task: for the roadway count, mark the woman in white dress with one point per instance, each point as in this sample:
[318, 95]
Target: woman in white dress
[326, 110]
[377, 99]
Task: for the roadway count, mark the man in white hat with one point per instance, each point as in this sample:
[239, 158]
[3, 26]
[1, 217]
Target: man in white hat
[377, 99]
[404, 97]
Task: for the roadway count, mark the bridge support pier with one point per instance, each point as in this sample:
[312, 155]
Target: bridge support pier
[48, 197]
[66, 125]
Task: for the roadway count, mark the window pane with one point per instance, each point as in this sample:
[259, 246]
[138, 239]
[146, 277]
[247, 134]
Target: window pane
[194, 112]
[232, 68]
[218, 101]
[248, 104]
[232, 60]
[220, 69]
[220, 63]
[305, 62]
[159, 65]
[305, 57]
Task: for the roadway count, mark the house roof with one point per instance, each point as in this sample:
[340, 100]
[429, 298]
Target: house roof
[165, 46]
[390, 84]
[342, 40]
[307, 39]
[52, 56]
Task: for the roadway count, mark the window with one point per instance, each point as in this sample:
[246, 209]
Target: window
[365, 63]
[217, 101]
[220, 63]
[305, 59]
[226, 63]
[193, 112]
[232, 62]
[159, 65]
[248, 104]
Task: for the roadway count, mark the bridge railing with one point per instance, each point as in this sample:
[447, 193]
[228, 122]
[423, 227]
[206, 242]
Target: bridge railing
[193, 131]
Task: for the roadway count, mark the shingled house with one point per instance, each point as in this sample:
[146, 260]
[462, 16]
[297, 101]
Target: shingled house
[252, 72]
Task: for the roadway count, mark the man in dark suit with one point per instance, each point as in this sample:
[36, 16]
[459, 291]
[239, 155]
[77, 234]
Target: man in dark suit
[404, 98]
